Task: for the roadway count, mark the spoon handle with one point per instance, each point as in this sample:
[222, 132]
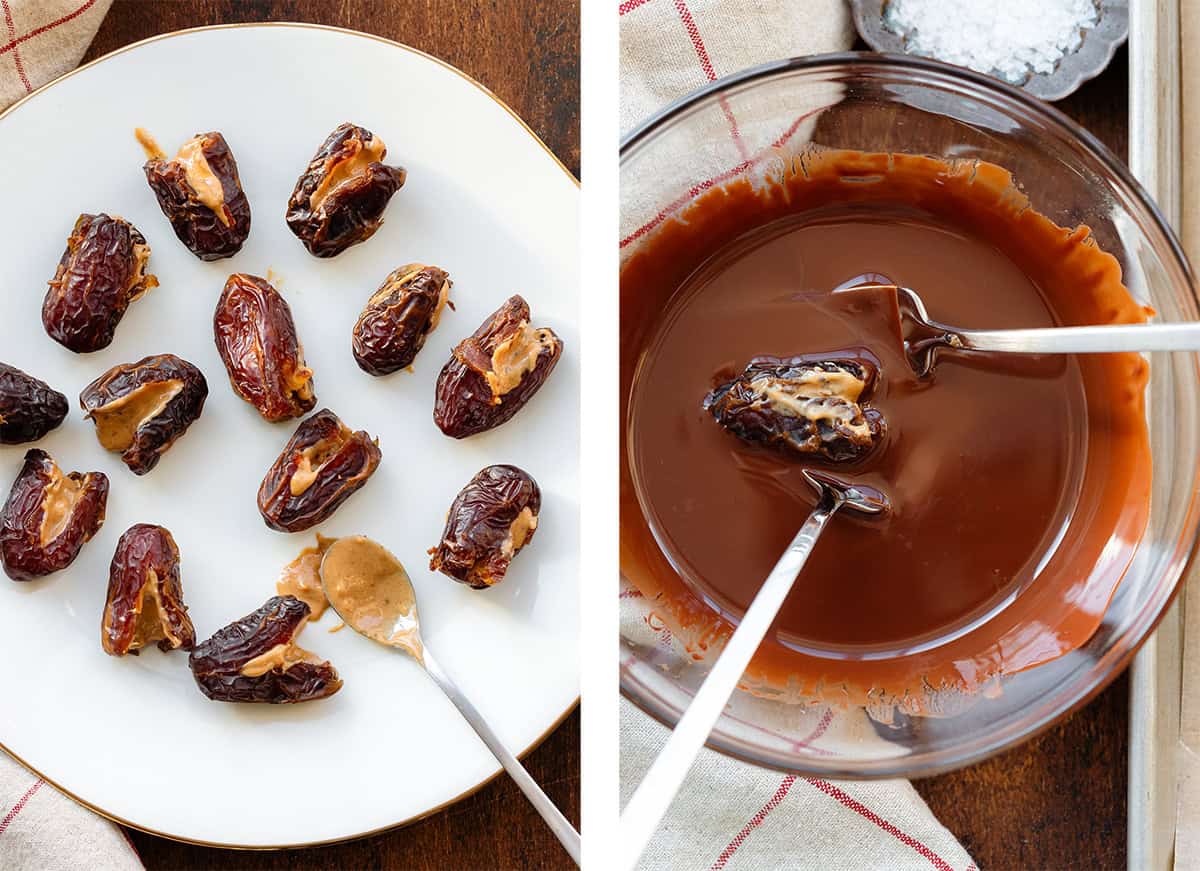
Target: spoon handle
[562, 828]
[657, 790]
[1085, 340]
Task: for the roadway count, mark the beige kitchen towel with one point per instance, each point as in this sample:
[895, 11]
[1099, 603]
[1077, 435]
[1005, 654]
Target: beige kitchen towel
[730, 815]
[671, 47]
[42, 39]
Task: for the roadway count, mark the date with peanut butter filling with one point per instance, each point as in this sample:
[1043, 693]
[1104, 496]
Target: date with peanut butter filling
[49, 517]
[495, 371]
[145, 595]
[257, 659]
[102, 271]
[490, 521]
[801, 405]
[200, 193]
[140, 409]
[399, 316]
[256, 338]
[323, 465]
[340, 197]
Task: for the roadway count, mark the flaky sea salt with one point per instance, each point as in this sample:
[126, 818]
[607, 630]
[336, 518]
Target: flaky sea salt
[1010, 39]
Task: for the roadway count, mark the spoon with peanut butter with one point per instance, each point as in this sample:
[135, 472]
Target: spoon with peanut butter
[370, 590]
[658, 788]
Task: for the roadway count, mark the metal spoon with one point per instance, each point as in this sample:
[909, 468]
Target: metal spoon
[658, 788]
[923, 337]
[370, 590]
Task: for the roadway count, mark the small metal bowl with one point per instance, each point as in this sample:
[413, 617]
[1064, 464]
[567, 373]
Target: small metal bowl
[1086, 62]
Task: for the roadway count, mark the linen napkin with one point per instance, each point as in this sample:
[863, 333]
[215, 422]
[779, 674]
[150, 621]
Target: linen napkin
[40, 828]
[730, 814]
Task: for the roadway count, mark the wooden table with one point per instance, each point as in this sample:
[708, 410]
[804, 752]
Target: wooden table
[527, 53]
[1057, 802]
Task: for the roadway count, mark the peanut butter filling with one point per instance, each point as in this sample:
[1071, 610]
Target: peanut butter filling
[117, 422]
[61, 496]
[200, 177]
[151, 626]
[313, 459]
[301, 578]
[833, 397]
[281, 657]
[372, 592]
[518, 532]
[347, 169]
[515, 357]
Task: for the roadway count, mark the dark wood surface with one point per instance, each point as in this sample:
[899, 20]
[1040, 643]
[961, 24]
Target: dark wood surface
[1057, 802]
[527, 53]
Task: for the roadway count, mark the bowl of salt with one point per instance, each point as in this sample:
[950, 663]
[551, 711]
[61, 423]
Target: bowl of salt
[1047, 47]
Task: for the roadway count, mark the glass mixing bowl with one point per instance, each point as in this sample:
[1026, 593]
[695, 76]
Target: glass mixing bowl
[748, 124]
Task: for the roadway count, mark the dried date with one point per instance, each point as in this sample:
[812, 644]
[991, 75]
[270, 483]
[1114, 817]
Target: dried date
[101, 272]
[491, 519]
[200, 193]
[494, 372]
[256, 659]
[801, 405]
[323, 465]
[140, 409]
[145, 596]
[29, 407]
[340, 197]
[256, 338]
[399, 316]
[49, 517]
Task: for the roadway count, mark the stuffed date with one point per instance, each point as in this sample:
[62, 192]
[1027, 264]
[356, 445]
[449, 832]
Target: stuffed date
[323, 465]
[340, 197]
[494, 372]
[49, 517]
[140, 409]
[101, 272]
[29, 407]
[256, 659]
[801, 405]
[145, 596]
[399, 316]
[256, 338]
[200, 193]
[491, 519]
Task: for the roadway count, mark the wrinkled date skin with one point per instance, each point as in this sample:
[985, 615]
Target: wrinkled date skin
[801, 405]
[102, 271]
[339, 199]
[29, 408]
[219, 664]
[494, 372]
[140, 409]
[49, 517]
[145, 595]
[491, 519]
[256, 338]
[200, 193]
[322, 466]
[398, 318]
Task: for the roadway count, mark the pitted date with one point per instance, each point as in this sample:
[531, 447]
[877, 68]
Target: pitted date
[200, 193]
[494, 372]
[323, 465]
[145, 596]
[140, 409]
[491, 519]
[339, 199]
[49, 517]
[256, 338]
[101, 272]
[399, 316]
[29, 407]
[801, 405]
[256, 659]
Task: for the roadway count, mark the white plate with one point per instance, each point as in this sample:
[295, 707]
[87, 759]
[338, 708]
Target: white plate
[133, 737]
